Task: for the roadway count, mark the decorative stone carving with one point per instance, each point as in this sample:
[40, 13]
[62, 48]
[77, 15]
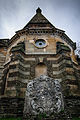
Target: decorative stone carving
[43, 95]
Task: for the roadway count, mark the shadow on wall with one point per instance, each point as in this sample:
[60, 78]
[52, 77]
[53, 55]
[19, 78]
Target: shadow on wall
[40, 69]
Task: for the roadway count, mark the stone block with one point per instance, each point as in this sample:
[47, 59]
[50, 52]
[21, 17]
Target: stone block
[30, 59]
[73, 87]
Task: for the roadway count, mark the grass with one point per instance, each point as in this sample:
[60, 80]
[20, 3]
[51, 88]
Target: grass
[76, 118]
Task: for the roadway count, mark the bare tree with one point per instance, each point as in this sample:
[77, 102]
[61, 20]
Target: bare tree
[77, 51]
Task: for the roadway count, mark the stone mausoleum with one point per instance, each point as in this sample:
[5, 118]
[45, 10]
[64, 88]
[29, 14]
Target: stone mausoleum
[38, 49]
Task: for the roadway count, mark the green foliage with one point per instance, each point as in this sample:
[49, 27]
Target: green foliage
[76, 118]
[41, 116]
[62, 110]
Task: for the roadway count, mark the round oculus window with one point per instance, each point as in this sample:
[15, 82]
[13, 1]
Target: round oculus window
[40, 43]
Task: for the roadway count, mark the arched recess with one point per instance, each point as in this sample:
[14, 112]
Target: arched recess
[40, 69]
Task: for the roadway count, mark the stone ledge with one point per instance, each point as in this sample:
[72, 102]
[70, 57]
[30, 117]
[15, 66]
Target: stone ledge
[54, 58]
[62, 62]
[58, 72]
[20, 71]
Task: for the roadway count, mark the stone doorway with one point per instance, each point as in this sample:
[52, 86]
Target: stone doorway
[40, 69]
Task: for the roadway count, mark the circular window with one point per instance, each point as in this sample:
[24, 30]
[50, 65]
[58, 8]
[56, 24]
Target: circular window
[40, 43]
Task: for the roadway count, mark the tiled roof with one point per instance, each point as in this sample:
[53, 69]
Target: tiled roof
[38, 19]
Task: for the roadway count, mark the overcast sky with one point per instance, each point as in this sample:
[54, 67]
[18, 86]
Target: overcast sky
[63, 14]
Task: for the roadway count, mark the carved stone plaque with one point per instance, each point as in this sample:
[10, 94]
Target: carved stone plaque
[43, 95]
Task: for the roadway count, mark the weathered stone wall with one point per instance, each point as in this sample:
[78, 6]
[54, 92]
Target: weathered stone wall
[72, 104]
[22, 69]
[11, 107]
[2, 62]
[31, 48]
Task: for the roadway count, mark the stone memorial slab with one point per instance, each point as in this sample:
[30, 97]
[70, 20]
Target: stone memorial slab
[43, 95]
